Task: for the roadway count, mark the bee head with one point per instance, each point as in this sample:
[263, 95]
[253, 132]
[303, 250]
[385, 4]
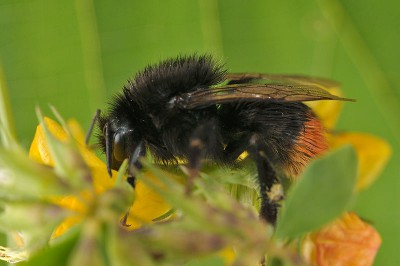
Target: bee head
[118, 141]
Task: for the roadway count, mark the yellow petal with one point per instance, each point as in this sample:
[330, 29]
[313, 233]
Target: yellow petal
[347, 241]
[70, 202]
[148, 205]
[100, 178]
[77, 209]
[372, 152]
[327, 111]
[39, 150]
[76, 131]
[228, 255]
[66, 225]
[88, 155]
[101, 182]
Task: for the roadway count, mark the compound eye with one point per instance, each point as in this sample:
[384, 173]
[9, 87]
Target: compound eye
[119, 146]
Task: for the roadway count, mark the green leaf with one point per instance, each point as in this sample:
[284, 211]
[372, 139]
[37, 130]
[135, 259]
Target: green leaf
[209, 261]
[24, 179]
[3, 241]
[43, 218]
[322, 193]
[6, 118]
[55, 255]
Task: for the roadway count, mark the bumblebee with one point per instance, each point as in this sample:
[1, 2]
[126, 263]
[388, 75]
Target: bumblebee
[190, 108]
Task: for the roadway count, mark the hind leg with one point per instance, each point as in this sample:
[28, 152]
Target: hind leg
[270, 187]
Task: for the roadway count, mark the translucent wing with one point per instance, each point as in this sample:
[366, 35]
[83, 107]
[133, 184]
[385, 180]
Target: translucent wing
[322, 83]
[242, 87]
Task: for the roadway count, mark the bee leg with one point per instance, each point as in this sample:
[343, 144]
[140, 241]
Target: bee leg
[109, 147]
[90, 131]
[134, 166]
[196, 150]
[124, 220]
[270, 186]
[203, 138]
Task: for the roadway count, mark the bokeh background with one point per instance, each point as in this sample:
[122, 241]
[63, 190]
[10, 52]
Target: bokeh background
[77, 54]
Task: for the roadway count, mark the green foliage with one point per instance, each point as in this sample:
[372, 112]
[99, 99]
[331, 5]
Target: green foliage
[321, 194]
[56, 254]
[213, 261]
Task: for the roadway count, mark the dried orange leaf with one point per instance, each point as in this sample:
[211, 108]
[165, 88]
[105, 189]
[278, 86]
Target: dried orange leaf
[346, 241]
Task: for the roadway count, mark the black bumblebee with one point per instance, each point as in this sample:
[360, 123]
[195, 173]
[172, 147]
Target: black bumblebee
[190, 108]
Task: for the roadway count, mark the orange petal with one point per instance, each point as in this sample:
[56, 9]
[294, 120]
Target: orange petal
[347, 241]
[372, 152]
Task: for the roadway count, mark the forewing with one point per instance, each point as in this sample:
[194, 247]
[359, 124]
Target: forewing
[238, 78]
[274, 88]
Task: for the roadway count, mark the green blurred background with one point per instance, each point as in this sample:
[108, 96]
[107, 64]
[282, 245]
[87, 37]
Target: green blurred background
[77, 54]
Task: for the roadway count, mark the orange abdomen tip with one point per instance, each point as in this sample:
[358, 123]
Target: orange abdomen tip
[310, 143]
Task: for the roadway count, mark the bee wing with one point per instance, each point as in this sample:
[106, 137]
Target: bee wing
[240, 78]
[274, 88]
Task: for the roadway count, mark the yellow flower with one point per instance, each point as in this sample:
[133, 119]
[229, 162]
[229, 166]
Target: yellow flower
[372, 152]
[346, 241]
[147, 205]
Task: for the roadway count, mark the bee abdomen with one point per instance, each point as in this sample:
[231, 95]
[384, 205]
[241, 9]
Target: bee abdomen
[310, 143]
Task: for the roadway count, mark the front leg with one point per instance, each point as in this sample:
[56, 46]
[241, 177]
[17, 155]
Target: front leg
[134, 164]
[270, 187]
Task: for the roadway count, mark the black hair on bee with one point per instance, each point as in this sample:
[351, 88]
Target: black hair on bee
[190, 108]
